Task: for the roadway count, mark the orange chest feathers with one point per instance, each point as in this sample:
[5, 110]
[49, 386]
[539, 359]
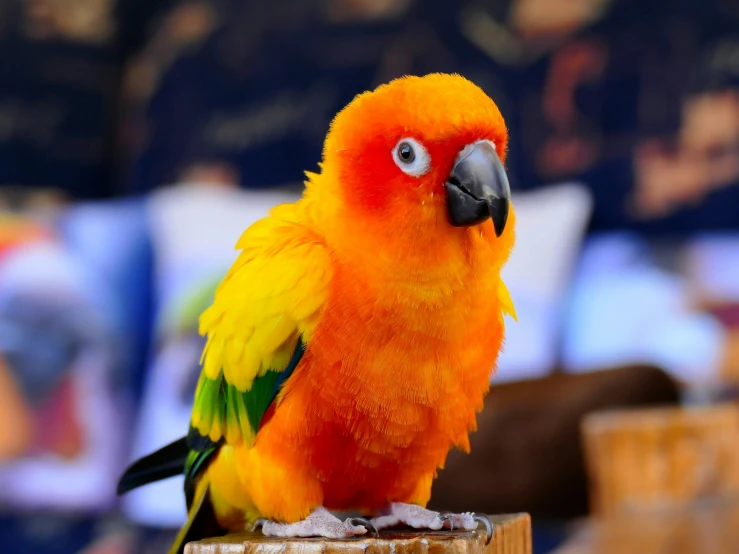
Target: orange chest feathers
[389, 383]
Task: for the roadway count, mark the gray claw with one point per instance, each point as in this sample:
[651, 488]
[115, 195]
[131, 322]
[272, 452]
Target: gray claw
[488, 526]
[447, 516]
[366, 523]
[258, 524]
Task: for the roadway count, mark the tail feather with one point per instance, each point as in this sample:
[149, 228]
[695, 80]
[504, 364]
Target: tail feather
[201, 521]
[179, 458]
[168, 461]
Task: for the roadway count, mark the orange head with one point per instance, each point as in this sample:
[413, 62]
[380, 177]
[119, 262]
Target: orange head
[418, 157]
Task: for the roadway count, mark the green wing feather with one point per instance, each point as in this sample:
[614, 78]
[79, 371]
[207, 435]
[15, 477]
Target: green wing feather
[225, 411]
[235, 408]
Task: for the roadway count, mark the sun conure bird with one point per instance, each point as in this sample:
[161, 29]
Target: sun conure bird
[351, 343]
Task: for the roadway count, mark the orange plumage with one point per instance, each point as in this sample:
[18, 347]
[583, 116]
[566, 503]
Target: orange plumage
[399, 310]
[400, 358]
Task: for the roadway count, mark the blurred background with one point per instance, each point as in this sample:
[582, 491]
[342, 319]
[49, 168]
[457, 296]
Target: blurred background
[138, 138]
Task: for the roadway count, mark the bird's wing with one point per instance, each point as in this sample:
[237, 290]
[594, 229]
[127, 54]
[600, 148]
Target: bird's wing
[258, 325]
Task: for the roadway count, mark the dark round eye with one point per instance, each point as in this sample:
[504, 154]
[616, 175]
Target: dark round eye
[411, 157]
[406, 154]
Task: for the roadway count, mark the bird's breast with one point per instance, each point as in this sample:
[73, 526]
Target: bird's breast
[388, 385]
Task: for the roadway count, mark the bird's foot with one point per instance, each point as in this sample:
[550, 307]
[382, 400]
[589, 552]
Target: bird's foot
[421, 518]
[320, 523]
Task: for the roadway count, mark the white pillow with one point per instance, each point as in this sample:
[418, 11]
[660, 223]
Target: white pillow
[550, 226]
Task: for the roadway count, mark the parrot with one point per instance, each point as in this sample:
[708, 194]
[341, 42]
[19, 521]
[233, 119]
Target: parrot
[351, 344]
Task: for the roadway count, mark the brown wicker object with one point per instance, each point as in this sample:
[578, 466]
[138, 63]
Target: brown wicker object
[646, 460]
[511, 535]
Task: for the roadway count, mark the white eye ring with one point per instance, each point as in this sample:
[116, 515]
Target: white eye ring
[411, 157]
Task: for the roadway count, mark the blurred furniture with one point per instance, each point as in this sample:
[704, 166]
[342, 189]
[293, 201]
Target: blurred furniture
[527, 453]
[704, 528]
[661, 459]
[550, 226]
[511, 534]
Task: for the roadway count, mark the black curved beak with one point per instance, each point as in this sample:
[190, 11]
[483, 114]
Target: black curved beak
[478, 188]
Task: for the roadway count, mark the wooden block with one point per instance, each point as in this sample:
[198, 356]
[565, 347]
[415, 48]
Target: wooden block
[711, 528]
[646, 460]
[511, 535]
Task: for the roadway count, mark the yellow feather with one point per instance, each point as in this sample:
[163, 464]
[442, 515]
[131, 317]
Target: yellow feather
[506, 302]
[233, 434]
[242, 375]
[208, 319]
[213, 358]
[234, 353]
[273, 333]
[215, 430]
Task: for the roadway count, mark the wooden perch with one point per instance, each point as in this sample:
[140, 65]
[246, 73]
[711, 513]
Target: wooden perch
[511, 534]
[658, 459]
